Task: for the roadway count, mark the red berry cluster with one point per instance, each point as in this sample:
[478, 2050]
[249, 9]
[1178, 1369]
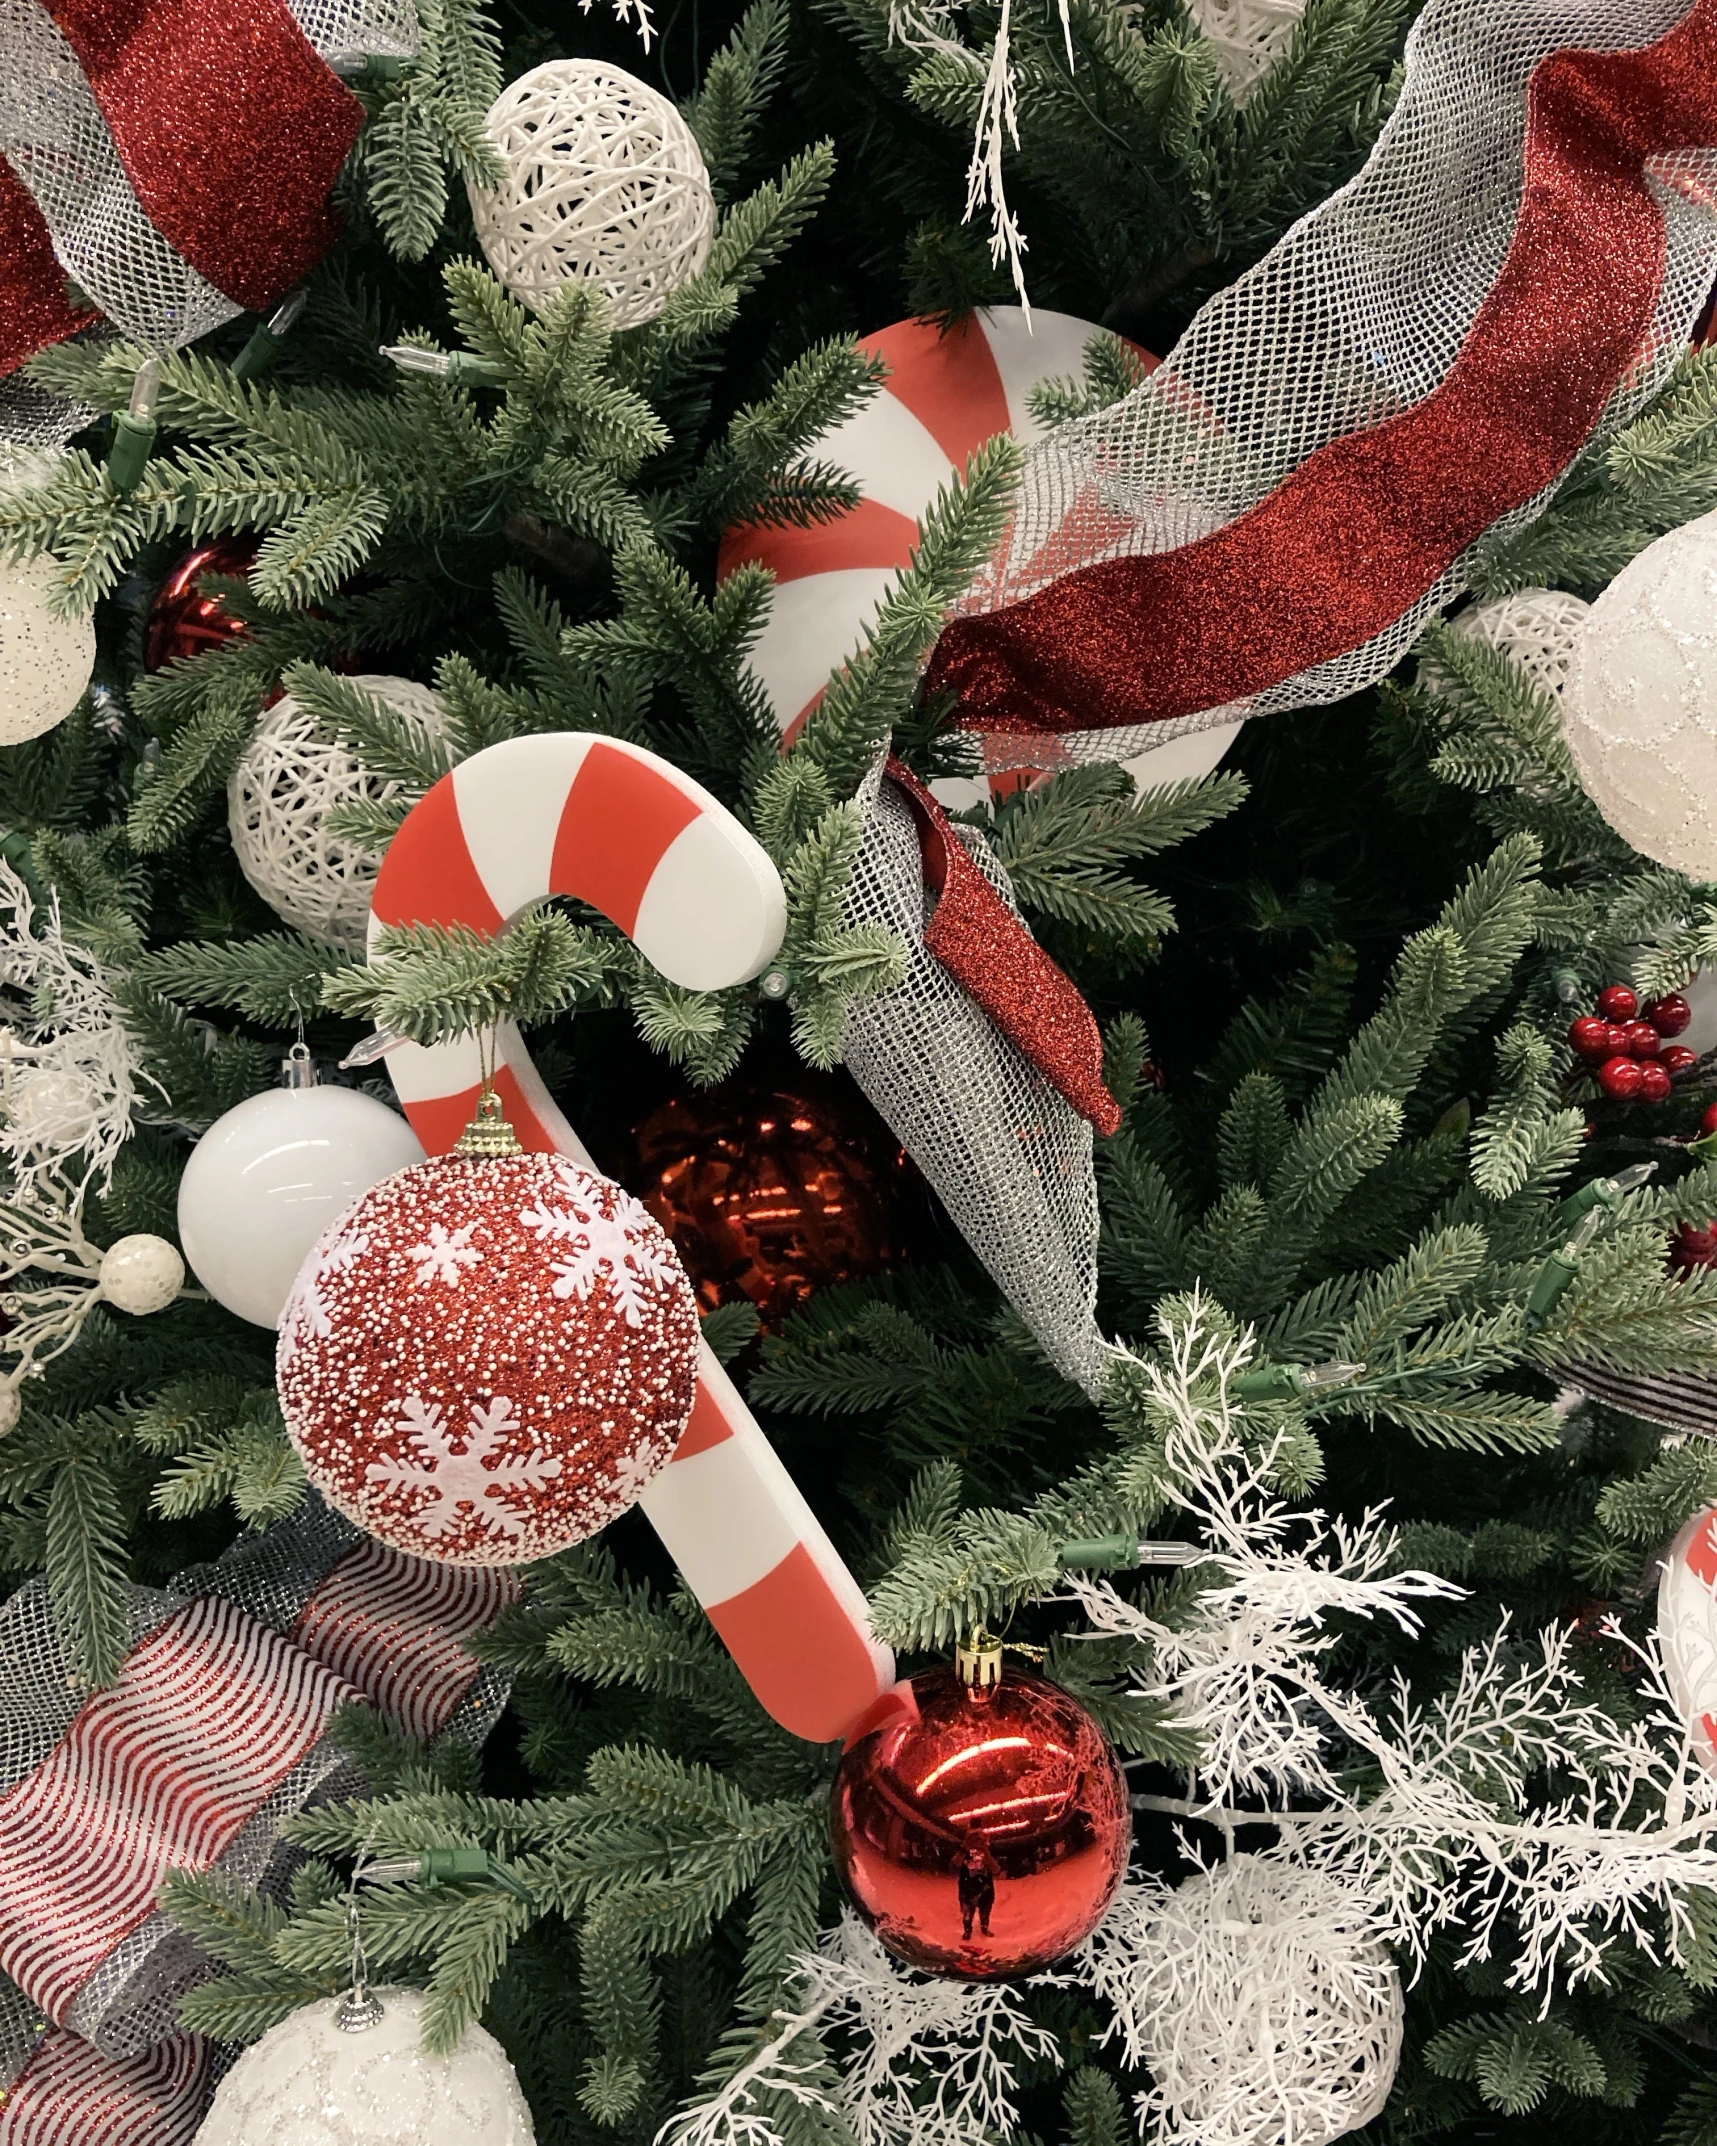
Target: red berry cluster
[1635, 1060]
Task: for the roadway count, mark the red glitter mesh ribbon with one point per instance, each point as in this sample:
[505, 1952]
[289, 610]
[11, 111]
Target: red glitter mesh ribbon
[231, 128]
[996, 961]
[1358, 533]
[35, 310]
[69, 2094]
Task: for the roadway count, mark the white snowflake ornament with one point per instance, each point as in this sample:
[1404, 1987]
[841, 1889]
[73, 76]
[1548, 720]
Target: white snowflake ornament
[485, 1360]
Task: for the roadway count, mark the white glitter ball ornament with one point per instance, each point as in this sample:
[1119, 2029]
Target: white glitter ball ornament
[1641, 704]
[45, 661]
[289, 778]
[1268, 2011]
[487, 1359]
[266, 1180]
[604, 181]
[309, 2082]
[141, 1274]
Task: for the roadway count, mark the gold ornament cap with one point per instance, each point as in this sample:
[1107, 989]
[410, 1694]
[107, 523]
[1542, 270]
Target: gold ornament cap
[978, 1663]
[489, 1135]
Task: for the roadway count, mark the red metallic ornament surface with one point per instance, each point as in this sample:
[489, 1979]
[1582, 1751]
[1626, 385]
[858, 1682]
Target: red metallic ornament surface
[986, 1837]
[1616, 1002]
[1670, 1014]
[1621, 1078]
[772, 1192]
[184, 620]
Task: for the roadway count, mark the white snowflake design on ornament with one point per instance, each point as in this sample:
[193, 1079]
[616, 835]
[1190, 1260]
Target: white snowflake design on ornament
[445, 1254]
[308, 1312]
[458, 1482]
[614, 1247]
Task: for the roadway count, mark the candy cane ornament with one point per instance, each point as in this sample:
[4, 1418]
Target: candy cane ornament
[615, 826]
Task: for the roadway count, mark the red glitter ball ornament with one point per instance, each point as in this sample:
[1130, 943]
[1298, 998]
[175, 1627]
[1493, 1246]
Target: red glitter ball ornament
[485, 1360]
[183, 620]
[987, 1836]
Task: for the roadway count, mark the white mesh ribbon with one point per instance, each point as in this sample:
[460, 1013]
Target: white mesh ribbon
[1355, 317]
[53, 132]
[1009, 1159]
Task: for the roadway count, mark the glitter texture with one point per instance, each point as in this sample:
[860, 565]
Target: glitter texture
[1640, 708]
[231, 128]
[45, 661]
[34, 308]
[310, 2083]
[484, 1361]
[993, 957]
[1268, 521]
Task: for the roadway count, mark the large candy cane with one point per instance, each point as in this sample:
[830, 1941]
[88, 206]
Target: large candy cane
[621, 829]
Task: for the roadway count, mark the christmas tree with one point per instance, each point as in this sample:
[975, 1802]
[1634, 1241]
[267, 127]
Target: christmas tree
[1081, 1508]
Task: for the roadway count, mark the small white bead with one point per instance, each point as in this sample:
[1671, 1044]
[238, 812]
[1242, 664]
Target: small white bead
[141, 1274]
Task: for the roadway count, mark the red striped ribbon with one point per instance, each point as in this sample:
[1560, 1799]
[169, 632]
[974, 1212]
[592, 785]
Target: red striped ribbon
[69, 2094]
[231, 128]
[394, 1627]
[161, 1772]
[1350, 541]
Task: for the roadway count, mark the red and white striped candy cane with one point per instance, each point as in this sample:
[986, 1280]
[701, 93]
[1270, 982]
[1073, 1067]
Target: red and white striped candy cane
[619, 828]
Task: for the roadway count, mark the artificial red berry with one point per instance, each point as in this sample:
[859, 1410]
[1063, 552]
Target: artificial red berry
[1670, 1014]
[1691, 1247]
[1708, 1123]
[1617, 1003]
[1591, 1037]
[1677, 1058]
[1621, 1077]
[1643, 1040]
[1655, 1085]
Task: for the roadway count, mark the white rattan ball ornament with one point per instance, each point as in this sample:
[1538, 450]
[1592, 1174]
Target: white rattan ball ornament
[1250, 36]
[141, 1274]
[1641, 704]
[290, 777]
[45, 660]
[1273, 2012]
[312, 2082]
[604, 181]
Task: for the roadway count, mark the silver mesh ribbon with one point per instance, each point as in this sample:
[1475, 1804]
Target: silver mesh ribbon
[1007, 1157]
[33, 420]
[1678, 1401]
[1356, 315]
[53, 133]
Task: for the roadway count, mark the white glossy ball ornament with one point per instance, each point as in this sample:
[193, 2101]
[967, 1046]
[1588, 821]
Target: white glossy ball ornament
[604, 181]
[141, 1274]
[45, 660]
[265, 1181]
[1641, 703]
[289, 778]
[310, 2082]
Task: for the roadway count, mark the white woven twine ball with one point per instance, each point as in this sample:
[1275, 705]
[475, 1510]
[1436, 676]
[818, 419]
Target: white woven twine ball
[604, 181]
[1272, 2012]
[1250, 36]
[291, 776]
[45, 660]
[1641, 705]
[309, 2082]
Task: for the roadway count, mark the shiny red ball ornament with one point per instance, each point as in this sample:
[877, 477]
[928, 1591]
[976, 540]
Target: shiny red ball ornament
[1692, 1247]
[986, 1836]
[1590, 1037]
[1619, 1040]
[1643, 1040]
[1670, 1015]
[1708, 1123]
[774, 1191]
[1676, 1058]
[486, 1359]
[183, 620]
[1655, 1085]
[1617, 1003]
[1621, 1077]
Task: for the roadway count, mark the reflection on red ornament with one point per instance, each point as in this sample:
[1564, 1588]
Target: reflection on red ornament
[986, 1837]
[184, 620]
[773, 1191]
